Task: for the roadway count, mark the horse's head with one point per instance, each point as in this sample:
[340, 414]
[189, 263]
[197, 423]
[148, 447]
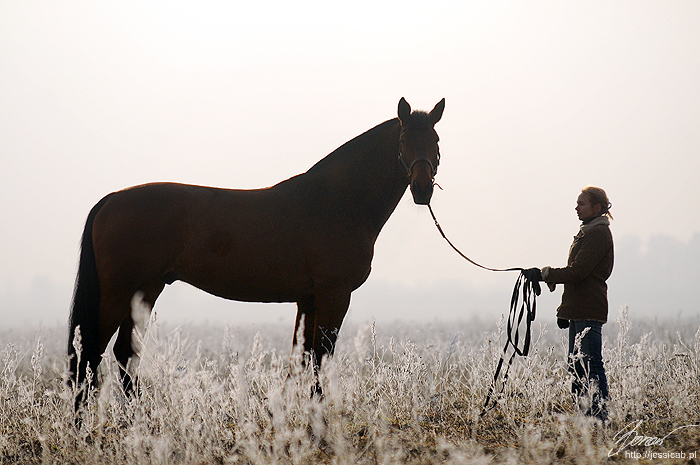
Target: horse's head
[418, 149]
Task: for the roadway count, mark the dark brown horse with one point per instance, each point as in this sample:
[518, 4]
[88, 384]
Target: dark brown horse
[309, 239]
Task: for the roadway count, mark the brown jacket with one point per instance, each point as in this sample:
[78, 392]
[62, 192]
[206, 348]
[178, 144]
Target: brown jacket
[590, 264]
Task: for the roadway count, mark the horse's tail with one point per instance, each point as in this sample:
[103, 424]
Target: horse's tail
[85, 310]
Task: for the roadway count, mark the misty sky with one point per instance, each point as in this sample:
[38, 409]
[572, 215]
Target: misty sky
[542, 99]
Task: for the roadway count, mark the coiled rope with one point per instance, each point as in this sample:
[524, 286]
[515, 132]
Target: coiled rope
[523, 305]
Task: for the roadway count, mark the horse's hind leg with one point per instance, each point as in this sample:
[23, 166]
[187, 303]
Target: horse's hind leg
[123, 351]
[124, 347]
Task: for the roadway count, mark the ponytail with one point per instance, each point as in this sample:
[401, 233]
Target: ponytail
[598, 196]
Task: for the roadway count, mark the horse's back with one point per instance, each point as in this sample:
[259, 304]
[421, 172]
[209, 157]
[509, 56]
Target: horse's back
[265, 245]
[238, 244]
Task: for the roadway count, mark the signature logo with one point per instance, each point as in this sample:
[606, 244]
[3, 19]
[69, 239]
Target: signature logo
[630, 436]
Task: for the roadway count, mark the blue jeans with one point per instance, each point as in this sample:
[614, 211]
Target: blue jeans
[587, 367]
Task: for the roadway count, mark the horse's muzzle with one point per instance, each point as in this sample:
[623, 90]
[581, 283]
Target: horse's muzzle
[421, 194]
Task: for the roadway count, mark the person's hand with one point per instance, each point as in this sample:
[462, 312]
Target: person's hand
[534, 276]
[562, 323]
[545, 273]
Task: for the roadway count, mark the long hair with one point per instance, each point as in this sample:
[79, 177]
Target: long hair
[597, 196]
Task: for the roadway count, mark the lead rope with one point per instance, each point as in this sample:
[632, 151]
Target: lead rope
[524, 308]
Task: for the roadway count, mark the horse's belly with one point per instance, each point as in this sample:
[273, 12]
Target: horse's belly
[249, 292]
[248, 283]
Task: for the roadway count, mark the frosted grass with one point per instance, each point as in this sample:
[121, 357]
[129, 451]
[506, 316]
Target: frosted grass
[392, 394]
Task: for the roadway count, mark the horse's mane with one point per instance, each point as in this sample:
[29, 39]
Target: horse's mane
[418, 121]
[356, 147]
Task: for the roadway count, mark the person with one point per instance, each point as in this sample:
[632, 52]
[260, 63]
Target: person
[584, 302]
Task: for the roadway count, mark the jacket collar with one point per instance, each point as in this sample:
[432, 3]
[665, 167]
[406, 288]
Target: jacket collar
[598, 220]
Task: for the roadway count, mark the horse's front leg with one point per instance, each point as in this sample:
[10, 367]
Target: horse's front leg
[306, 319]
[331, 308]
[323, 314]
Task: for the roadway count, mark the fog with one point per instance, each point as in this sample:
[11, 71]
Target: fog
[542, 99]
[655, 278]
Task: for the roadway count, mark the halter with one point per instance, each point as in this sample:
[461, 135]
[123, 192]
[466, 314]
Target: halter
[409, 168]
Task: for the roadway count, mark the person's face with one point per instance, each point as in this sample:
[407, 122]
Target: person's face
[584, 209]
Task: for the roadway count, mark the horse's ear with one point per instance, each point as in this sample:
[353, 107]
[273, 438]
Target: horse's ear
[436, 113]
[404, 110]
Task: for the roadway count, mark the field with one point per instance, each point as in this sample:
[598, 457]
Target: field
[403, 393]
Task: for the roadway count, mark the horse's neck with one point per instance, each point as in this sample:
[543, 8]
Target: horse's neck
[368, 173]
[388, 179]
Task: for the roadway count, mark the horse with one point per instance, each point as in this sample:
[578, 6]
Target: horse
[309, 239]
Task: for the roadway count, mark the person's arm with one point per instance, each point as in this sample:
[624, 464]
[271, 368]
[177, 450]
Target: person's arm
[590, 253]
